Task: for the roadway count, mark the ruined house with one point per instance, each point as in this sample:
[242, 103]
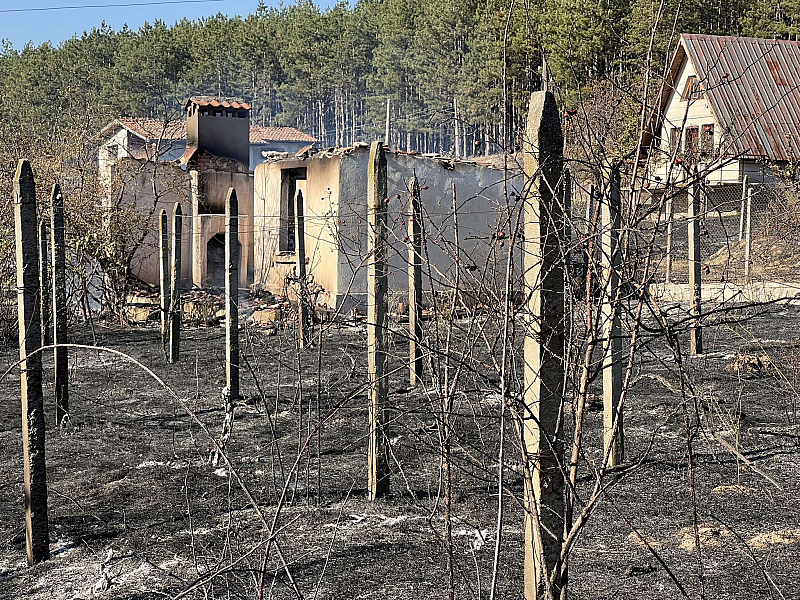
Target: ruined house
[333, 187]
[215, 157]
[730, 104]
[165, 140]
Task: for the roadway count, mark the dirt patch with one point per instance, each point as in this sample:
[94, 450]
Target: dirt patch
[782, 537]
[733, 489]
[710, 536]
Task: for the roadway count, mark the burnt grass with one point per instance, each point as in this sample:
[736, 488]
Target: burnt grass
[130, 477]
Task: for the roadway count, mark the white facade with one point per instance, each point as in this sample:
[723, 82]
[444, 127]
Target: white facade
[690, 133]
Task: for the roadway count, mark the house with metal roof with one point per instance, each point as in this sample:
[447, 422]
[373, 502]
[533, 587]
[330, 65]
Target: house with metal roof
[730, 105]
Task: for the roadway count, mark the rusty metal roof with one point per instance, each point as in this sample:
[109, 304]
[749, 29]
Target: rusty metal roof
[753, 88]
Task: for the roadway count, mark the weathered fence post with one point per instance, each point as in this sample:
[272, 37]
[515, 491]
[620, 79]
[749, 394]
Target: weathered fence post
[748, 239]
[37, 537]
[414, 283]
[743, 207]
[176, 309]
[377, 321]
[232, 293]
[613, 437]
[695, 273]
[670, 224]
[567, 208]
[300, 256]
[543, 349]
[45, 304]
[60, 355]
[163, 267]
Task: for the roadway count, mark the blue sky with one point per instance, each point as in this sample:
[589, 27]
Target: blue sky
[58, 25]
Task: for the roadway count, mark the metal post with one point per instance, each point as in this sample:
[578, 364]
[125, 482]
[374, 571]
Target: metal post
[743, 207]
[748, 244]
[670, 225]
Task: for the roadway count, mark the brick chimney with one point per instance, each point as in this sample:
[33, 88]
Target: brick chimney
[219, 126]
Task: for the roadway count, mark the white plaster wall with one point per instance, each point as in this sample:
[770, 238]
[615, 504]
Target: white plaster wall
[480, 202]
[682, 114]
[321, 201]
[134, 189]
[215, 185]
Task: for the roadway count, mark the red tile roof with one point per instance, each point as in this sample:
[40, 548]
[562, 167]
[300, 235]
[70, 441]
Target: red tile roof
[150, 129]
[223, 102]
[284, 134]
[153, 129]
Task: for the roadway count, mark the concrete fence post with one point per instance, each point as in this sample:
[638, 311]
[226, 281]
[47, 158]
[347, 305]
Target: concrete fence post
[164, 276]
[613, 437]
[176, 308]
[377, 321]
[232, 294]
[46, 303]
[414, 282]
[300, 256]
[60, 354]
[37, 537]
[695, 273]
[543, 348]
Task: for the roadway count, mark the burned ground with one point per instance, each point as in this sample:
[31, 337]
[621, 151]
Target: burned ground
[137, 512]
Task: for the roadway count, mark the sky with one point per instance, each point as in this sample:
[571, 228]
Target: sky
[40, 26]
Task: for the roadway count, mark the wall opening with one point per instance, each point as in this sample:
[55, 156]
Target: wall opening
[289, 179]
[215, 261]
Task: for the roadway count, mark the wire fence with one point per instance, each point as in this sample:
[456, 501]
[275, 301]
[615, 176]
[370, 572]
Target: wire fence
[723, 223]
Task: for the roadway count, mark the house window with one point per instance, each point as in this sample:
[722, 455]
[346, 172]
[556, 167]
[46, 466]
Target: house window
[674, 139]
[692, 89]
[112, 152]
[691, 145]
[707, 139]
[289, 179]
